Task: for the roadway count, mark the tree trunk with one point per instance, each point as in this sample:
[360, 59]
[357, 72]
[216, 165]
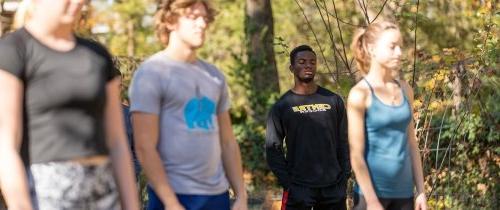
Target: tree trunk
[259, 32]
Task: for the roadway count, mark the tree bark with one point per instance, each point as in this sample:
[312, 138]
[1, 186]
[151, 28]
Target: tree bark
[259, 32]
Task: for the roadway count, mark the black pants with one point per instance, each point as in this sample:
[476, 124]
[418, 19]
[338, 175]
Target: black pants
[306, 198]
[387, 203]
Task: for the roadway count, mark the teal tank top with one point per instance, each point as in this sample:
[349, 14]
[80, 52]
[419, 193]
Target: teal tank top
[387, 151]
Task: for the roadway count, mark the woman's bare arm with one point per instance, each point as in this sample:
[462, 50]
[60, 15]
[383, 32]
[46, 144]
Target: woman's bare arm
[13, 179]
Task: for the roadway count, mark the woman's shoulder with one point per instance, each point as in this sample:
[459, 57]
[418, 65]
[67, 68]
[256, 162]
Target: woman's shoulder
[359, 95]
[359, 90]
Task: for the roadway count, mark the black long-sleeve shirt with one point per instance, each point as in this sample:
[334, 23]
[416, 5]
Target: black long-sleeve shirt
[314, 128]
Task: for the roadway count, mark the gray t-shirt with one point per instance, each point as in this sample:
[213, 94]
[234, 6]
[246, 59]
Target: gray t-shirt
[187, 98]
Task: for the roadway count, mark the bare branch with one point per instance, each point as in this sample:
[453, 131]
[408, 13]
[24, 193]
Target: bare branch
[330, 34]
[415, 47]
[380, 11]
[340, 20]
[314, 33]
[364, 10]
[341, 37]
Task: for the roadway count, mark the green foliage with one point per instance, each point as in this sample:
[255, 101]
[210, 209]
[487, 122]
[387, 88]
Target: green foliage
[465, 174]
[226, 48]
[126, 66]
[462, 173]
[249, 132]
[119, 16]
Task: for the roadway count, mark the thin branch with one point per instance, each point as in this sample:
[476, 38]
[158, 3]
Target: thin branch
[415, 47]
[340, 20]
[333, 45]
[315, 37]
[330, 33]
[364, 10]
[340, 33]
[380, 11]
[344, 60]
[335, 58]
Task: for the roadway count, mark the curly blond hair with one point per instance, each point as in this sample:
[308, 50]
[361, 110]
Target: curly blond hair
[170, 10]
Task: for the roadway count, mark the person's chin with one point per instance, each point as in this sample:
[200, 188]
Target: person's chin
[392, 66]
[197, 44]
[395, 67]
[307, 79]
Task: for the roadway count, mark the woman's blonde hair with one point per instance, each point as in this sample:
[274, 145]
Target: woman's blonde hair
[365, 36]
[170, 10]
[23, 14]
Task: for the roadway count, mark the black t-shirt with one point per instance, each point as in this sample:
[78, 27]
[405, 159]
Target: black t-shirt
[64, 96]
[315, 130]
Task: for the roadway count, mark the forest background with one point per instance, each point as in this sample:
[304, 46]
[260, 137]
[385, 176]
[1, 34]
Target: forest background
[451, 59]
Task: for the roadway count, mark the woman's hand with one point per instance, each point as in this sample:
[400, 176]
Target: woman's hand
[421, 202]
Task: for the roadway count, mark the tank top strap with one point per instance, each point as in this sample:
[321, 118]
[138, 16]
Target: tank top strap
[402, 89]
[371, 89]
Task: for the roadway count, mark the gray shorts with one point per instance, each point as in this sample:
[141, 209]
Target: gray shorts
[70, 185]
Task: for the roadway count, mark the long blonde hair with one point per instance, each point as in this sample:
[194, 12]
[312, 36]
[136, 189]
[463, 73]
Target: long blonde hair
[170, 10]
[365, 36]
[23, 14]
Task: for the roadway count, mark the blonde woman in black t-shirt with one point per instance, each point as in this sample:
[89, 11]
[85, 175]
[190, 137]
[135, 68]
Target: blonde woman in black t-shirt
[61, 120]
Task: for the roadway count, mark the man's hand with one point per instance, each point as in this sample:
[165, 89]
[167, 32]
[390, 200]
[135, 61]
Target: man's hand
[174, 206]
[240, 204]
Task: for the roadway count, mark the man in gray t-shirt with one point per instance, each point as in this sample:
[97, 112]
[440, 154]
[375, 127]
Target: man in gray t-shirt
[187, 97]
[181, 122]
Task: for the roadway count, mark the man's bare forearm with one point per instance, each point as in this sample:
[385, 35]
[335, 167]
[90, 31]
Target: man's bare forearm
[232, 164]
[152, 165]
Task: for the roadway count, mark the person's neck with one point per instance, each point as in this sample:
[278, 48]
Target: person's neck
[53, 31]
[380, 75]
[58, 37]
[181, 52]
[303, 88]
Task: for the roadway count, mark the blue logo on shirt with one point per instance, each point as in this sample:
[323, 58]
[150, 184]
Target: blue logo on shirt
[198, 113]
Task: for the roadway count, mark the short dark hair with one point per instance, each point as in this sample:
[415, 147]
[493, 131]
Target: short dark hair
[298, 49]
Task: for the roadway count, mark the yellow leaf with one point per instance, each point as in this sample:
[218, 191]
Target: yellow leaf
[433, 106]
[413, 9]
[436, 58]
[417, 103]
[429, 85]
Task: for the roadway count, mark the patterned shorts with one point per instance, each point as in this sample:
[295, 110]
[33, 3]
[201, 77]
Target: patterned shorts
[70, 185]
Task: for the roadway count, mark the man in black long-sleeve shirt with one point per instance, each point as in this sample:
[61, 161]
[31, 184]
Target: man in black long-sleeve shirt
[313, 123]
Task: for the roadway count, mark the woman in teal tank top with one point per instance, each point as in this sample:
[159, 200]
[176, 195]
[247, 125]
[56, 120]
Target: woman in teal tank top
[382, 140]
